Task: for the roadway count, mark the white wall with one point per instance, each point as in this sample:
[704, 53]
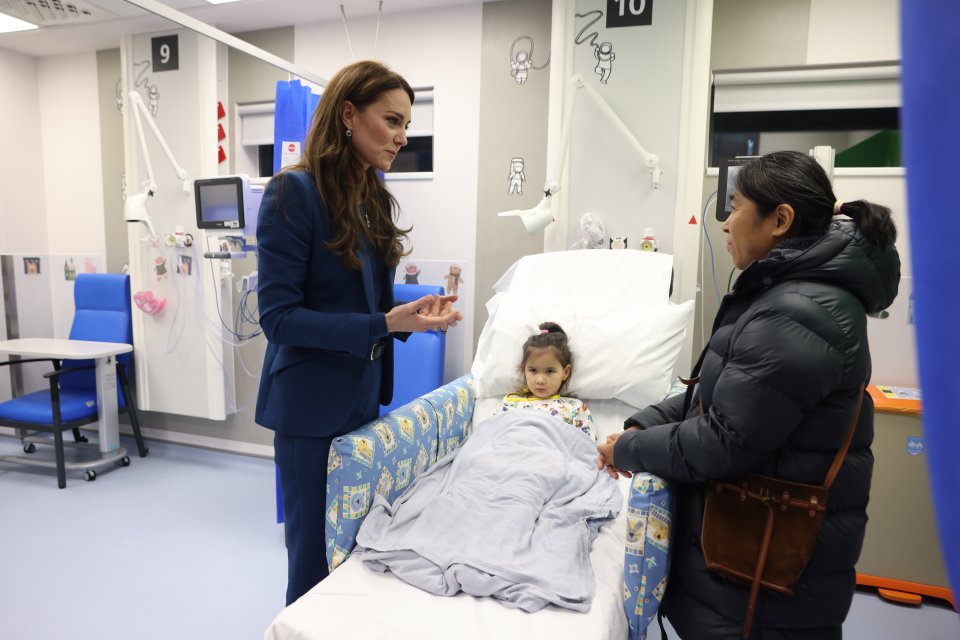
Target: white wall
[439, 48]
[23, 223]
[846, 31]
[70, 140]
[607, 176]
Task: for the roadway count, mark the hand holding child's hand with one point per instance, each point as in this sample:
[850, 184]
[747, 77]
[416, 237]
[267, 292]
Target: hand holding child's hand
[429, 312]
[605, 458]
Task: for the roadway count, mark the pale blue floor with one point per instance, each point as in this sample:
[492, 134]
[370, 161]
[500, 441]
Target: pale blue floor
[183, 545]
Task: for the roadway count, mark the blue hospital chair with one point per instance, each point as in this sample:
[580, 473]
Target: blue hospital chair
[103, 314]
[418, 362]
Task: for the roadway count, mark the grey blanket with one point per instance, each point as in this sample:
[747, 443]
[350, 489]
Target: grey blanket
[510, 514]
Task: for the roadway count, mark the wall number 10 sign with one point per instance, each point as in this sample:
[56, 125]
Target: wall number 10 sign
[166, 53]
[629, 13]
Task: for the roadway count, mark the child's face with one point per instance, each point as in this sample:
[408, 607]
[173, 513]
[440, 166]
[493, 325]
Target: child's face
[543, 372]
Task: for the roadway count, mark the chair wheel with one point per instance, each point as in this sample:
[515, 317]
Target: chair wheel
[125, 461]
[89, 475]
[29, 447]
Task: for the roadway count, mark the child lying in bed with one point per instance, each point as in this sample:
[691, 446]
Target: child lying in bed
[546, 364]
[512, 512]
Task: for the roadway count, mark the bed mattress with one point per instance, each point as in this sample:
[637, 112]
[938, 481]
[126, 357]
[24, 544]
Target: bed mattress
[357, 602]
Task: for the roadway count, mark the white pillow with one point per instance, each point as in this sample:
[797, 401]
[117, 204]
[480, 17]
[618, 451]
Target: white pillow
[608, 278]
[627, 353]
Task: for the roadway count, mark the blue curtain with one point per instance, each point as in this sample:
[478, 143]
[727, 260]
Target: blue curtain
[295, 104]
[930, 119]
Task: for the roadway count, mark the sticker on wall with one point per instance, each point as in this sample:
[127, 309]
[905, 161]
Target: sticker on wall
[521, 59]
[142, 81]
[184, 265]
[453, 280]
[915, 445]
[603, 51]
[290, 152]
[31, 266]
[411, 273]
[160, 267]
[69, 270]
[517, 176]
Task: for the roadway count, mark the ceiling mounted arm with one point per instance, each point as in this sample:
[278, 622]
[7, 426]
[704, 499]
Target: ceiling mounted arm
[223, 37]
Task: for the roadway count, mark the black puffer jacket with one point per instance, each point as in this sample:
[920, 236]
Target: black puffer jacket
[778, 386]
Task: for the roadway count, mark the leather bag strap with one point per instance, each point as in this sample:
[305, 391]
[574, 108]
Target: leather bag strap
[758, 574]
[842, 453]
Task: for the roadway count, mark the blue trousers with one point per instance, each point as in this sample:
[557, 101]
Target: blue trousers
[303, 480]
[302, 463]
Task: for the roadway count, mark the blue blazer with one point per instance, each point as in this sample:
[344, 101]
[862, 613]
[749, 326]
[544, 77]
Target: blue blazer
[319, 317]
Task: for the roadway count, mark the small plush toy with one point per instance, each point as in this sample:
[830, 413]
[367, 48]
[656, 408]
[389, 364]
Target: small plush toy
[618, 242]
[453, 280]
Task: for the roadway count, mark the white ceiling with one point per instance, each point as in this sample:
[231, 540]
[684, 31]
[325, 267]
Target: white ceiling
[110, 20]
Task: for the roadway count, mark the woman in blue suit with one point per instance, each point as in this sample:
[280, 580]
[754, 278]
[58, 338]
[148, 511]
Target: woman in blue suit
[328, 248]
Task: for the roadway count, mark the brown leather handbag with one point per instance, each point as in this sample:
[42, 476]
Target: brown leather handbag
[761, 531]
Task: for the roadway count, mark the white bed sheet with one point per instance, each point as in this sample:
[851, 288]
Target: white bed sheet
[355, 602]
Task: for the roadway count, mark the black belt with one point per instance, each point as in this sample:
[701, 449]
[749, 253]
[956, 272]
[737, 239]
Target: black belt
[376, 350]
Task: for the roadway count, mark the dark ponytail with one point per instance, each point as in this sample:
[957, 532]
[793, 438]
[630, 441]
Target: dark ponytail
[796, 179]
[551, 336]
[874, 220]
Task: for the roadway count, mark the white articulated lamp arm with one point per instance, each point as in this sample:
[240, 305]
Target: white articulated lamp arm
[541, 215]
[139, 108]
[134, 204]
[651, 160]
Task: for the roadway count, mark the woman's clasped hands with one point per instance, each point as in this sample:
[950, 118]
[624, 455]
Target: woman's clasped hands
[605, 457]
[429, 312]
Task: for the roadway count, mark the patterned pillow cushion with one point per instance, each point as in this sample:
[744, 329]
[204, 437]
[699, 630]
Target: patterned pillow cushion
[646, 562]
[453, 404]
[382, 457]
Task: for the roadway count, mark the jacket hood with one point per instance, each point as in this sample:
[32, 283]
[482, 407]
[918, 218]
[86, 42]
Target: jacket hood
[842, 256]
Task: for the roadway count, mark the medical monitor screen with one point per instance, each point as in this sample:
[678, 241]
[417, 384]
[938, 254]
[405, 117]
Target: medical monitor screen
[219, 203]
[729, 167]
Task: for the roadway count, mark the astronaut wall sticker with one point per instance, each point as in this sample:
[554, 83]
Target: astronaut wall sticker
[521, 59]
[516, 177]
[603, 51]
[605, 56]
[142, 80]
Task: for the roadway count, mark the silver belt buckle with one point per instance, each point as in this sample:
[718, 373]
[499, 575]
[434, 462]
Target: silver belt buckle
[376, 351]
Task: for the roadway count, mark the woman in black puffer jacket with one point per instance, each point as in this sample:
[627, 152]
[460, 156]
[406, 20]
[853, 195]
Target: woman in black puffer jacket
[778, 390]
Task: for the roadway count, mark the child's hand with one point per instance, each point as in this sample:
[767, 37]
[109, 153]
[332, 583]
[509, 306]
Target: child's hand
[605, 458]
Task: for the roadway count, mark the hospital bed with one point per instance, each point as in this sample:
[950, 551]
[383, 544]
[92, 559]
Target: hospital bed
[625, 336]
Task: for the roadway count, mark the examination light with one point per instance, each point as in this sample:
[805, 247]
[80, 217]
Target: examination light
[542, 214]
[135, 204]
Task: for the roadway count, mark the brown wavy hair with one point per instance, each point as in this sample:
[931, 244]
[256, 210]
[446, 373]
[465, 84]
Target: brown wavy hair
[346, 188]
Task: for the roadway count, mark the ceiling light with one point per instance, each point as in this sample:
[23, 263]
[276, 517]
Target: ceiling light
[9, 24]
[221, 1]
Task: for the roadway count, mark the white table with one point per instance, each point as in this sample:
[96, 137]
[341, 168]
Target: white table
[105, 354]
